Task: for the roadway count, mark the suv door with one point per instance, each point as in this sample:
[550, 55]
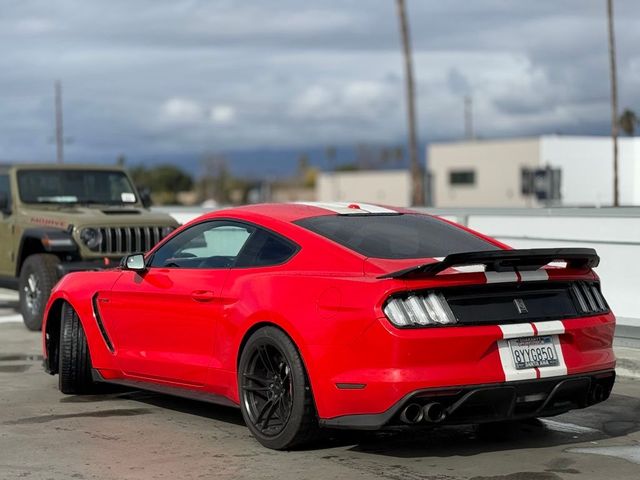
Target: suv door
[6, 230]
[164, 319]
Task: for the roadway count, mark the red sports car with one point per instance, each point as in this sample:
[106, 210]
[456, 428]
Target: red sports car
[340, 315]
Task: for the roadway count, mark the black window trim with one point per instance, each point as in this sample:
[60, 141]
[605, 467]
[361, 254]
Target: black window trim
[296, 246]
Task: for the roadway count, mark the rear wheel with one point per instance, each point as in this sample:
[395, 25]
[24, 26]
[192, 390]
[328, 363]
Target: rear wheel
[275, 395]
[74, 370]
[38, 275]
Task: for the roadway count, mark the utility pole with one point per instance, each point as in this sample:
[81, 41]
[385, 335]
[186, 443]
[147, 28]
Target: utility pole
[59, 126]
[614, 101]
[468, 118]
[417, 173]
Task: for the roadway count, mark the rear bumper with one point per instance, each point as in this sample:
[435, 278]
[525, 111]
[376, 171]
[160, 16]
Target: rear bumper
[489, 403]
[386, 365]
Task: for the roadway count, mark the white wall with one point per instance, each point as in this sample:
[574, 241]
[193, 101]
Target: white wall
[386, 187]
[587, 168]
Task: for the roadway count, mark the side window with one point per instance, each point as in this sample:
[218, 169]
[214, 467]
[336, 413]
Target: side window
[265, 249]
[4, 185]
[5, 193]
[213, 244]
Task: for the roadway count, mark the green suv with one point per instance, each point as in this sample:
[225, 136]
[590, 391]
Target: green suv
[56, 219]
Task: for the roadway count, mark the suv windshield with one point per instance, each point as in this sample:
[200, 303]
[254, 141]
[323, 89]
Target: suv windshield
[396, 236]
[75, 186]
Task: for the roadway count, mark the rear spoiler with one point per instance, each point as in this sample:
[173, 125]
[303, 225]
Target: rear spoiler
[505, 260]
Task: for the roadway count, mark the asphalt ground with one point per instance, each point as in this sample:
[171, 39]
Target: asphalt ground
[139, 435]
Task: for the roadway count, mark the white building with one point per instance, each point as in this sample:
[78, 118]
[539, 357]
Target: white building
[489, 173]
[386, 187]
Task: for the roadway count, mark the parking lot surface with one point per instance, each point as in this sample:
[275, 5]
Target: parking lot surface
[138, 435]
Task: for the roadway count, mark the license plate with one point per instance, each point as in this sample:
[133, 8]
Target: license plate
[532, 352]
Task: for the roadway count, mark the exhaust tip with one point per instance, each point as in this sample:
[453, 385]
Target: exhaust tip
[434, 412]
[598, 393]
[412, 413]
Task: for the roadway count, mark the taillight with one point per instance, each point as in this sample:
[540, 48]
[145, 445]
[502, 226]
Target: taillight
[589, 297]
[428, 308]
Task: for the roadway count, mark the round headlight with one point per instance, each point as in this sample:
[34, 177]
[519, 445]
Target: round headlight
[167, 230]
[91, 237]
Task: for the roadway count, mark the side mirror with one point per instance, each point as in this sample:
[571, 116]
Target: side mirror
[134, 262]
[4, 202]
[145, 196]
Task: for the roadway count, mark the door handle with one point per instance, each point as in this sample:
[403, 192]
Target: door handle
[202, 295]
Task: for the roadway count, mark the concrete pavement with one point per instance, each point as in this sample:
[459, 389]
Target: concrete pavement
[45, 435]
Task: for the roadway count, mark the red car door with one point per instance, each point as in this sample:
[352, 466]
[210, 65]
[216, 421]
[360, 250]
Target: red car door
[164, 319]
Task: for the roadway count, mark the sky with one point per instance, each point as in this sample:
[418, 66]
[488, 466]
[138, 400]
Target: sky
[173, 79]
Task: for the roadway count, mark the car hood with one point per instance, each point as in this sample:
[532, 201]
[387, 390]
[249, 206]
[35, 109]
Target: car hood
[57, 217]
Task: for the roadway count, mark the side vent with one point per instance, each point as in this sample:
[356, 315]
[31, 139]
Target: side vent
[103, 331]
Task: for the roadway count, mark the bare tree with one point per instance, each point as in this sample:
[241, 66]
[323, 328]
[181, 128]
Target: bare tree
[417, 175]
[614, 101]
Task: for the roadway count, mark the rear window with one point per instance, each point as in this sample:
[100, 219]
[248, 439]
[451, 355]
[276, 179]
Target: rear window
[396, 236]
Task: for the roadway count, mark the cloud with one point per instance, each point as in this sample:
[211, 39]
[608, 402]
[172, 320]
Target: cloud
[181, 110]
[222, 114]
[163, 77]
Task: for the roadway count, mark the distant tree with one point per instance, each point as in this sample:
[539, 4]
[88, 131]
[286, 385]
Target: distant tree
[347, 167]
[169, 178]
[628, 121]
[164, 181]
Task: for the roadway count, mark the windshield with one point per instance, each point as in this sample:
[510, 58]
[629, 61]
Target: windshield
[75, 186]
[397, 236]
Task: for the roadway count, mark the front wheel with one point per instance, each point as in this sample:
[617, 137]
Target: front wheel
[275, 395]
[74, 368]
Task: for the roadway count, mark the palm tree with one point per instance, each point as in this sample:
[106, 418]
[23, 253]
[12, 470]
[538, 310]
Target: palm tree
[417, 175]
[614, 101]
[628, 121]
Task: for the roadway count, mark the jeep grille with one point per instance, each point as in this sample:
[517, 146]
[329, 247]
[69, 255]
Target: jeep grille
[123, 240]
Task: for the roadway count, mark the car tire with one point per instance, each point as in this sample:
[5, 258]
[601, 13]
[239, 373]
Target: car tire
[275, 395]
[74, 367]
[38, 275]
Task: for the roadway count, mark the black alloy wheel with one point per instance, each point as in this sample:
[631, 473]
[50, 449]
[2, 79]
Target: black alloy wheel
[275, 397]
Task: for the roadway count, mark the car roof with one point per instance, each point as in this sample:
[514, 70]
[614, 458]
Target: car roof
[290, 212]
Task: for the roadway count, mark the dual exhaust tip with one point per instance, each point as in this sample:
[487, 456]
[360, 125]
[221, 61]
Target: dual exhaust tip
[413, 413]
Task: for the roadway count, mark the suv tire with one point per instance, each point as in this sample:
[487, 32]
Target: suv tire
[38, 275]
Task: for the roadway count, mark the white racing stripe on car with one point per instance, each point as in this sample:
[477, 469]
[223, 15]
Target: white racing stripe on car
[501, 277]
[470, 268]
[508, 366]
[343, 207]
[517, 330]
[554, 327]
[533, 275]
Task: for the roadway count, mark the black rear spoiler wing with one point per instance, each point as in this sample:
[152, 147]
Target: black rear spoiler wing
[505, 260]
